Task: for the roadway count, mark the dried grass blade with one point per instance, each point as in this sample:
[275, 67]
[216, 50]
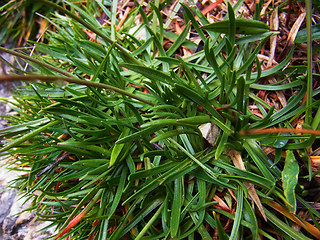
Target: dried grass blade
[237, 161]
[274, 25]
[307, 226]
[292, 35]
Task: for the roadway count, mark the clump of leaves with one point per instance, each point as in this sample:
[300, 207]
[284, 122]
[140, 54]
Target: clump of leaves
[123, 139]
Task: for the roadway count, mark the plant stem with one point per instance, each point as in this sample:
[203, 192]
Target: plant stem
[309, 61]
[114, 9]
[279, 130]
[31, 59]
[72, 80]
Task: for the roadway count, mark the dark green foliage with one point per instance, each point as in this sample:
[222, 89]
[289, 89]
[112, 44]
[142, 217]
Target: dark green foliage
[121, 151]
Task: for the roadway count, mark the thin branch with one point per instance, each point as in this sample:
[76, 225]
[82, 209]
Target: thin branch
[279, 130]
[61, 157]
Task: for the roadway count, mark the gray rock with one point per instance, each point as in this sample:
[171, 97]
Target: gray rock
[7, 197]
[14, 223]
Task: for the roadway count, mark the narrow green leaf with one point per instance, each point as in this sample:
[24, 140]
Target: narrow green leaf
[189, 64]
[172, 133]
[250, 216]
[243, 26]
[290, 175]
[151, 221]
[176, 207]
[199, 214]
[140, 134]
[23, 126]
[143, 47]
[93, 194]
[238, 216]
[139, 216]
[194, 22]
[195, 97]
[150, 73]
[210, 55]
[103, 64]
[207, 169]
[156, 41]
[195, 120]
[117, 197]
[249, 176]
[179, 41]
[28, 136]
[221, 232]
[290, 85]
[223, 141]
[302, 34]
[118, 148]
[260, 159]
[245, 66]
[232, 27]
[275, 69]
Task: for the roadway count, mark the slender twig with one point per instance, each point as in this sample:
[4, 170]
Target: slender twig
[279, 130]
[54, 164]
[11, 78]
[31, 59]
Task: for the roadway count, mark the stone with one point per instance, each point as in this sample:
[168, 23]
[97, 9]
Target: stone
[15, 224]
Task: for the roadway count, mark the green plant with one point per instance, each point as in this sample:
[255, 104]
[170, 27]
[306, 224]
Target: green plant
[111, 139]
